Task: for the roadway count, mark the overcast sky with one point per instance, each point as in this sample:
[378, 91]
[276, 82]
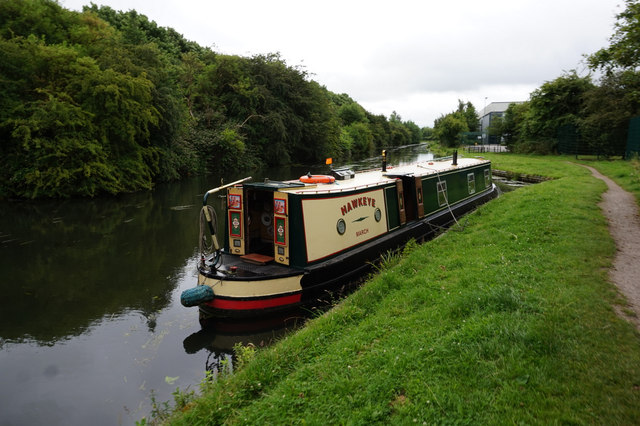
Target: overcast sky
[413, 57]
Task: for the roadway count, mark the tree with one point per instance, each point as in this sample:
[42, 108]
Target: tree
[624, 50]
[514, 120]
[399, 133]
[75, 129]
[339, 99]
[556, 103]
[470, 115]
[448, 128]
[609, 107]
[190, 68]
[427, 132]
[380, 129]
[136, 29]
[416, 132]
[360, 137]
[44, 19]
[607, 110]
[52, 150]
[108, 101]
[352, 113]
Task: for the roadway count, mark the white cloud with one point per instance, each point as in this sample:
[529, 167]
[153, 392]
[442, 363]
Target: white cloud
[414, 57]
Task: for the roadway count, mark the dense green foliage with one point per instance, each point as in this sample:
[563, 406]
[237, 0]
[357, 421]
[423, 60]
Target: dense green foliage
[449, 128]
[508, 320]
[106, 101]
[556, 103]
[599, 113]
[624, 50]
[534, 125]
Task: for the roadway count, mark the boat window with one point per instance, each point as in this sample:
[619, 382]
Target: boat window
[442, 193]
[471, 181]
[487, 178]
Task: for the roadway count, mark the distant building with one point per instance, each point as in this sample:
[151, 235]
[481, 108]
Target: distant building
[488, 113]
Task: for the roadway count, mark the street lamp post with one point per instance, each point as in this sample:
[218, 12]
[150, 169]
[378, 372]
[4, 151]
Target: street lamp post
[484, 133]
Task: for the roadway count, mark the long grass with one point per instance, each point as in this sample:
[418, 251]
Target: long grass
[507, 321]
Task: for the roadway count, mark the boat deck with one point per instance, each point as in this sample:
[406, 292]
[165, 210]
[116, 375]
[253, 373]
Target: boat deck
[376, 177]
[252, 270]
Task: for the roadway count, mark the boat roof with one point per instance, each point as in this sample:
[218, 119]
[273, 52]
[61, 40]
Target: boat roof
[371, 178]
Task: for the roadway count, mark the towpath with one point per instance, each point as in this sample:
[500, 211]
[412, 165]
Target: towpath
[621, 210]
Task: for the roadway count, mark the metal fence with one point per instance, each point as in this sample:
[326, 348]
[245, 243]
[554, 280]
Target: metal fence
[633, 138]
[485, 148]
[571, 142]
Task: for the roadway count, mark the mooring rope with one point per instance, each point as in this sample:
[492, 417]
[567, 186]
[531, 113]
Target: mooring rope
[446, 197]
[208, 246]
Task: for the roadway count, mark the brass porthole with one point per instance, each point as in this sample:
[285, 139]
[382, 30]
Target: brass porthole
[377, 215]
[341, 226]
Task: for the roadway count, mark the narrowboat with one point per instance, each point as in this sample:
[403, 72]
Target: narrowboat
[285, 241]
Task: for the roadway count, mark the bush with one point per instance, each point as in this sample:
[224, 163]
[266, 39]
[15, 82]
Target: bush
[541, 147]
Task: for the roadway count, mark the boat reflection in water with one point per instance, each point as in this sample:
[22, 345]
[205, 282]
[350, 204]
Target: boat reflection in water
[220, 336]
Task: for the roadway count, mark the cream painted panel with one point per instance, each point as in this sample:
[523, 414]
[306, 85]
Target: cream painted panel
[252, 288]
[322, 218]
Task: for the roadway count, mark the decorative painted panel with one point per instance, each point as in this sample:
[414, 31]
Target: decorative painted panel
[332, 225]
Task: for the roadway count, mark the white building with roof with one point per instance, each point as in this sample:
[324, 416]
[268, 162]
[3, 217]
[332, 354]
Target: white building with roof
[487, 114]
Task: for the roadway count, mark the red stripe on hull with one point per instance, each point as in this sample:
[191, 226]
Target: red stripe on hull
[244, 305]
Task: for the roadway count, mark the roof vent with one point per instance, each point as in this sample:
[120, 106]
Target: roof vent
[342, 174]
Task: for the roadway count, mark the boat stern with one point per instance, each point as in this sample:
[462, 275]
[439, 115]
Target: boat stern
[243, 292]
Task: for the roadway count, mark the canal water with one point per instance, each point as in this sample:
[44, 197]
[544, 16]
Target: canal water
[91, 325]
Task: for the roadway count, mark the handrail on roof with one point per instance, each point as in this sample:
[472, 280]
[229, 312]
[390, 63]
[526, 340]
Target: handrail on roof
[214, 190]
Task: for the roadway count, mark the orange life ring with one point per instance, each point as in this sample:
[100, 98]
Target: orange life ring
[317, 179]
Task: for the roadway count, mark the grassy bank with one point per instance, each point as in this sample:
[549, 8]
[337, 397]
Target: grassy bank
[625, 173]
[507, 320]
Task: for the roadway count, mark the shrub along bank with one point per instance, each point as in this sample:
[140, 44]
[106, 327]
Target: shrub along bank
[505, 319]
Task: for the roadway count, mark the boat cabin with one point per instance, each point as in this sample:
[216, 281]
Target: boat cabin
[299, 224]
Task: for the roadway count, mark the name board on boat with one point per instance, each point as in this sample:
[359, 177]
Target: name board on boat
[334, 224]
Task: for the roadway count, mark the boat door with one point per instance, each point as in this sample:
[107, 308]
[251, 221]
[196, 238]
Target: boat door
[258, 208]
[259, 222]
[410, 197]
[419, 196]
[401, 201]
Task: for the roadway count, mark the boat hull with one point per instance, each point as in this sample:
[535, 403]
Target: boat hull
[255, 290]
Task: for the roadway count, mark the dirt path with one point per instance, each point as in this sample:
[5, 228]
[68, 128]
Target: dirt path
[621, 210]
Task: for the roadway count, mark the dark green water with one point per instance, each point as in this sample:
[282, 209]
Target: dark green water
[90, 316]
